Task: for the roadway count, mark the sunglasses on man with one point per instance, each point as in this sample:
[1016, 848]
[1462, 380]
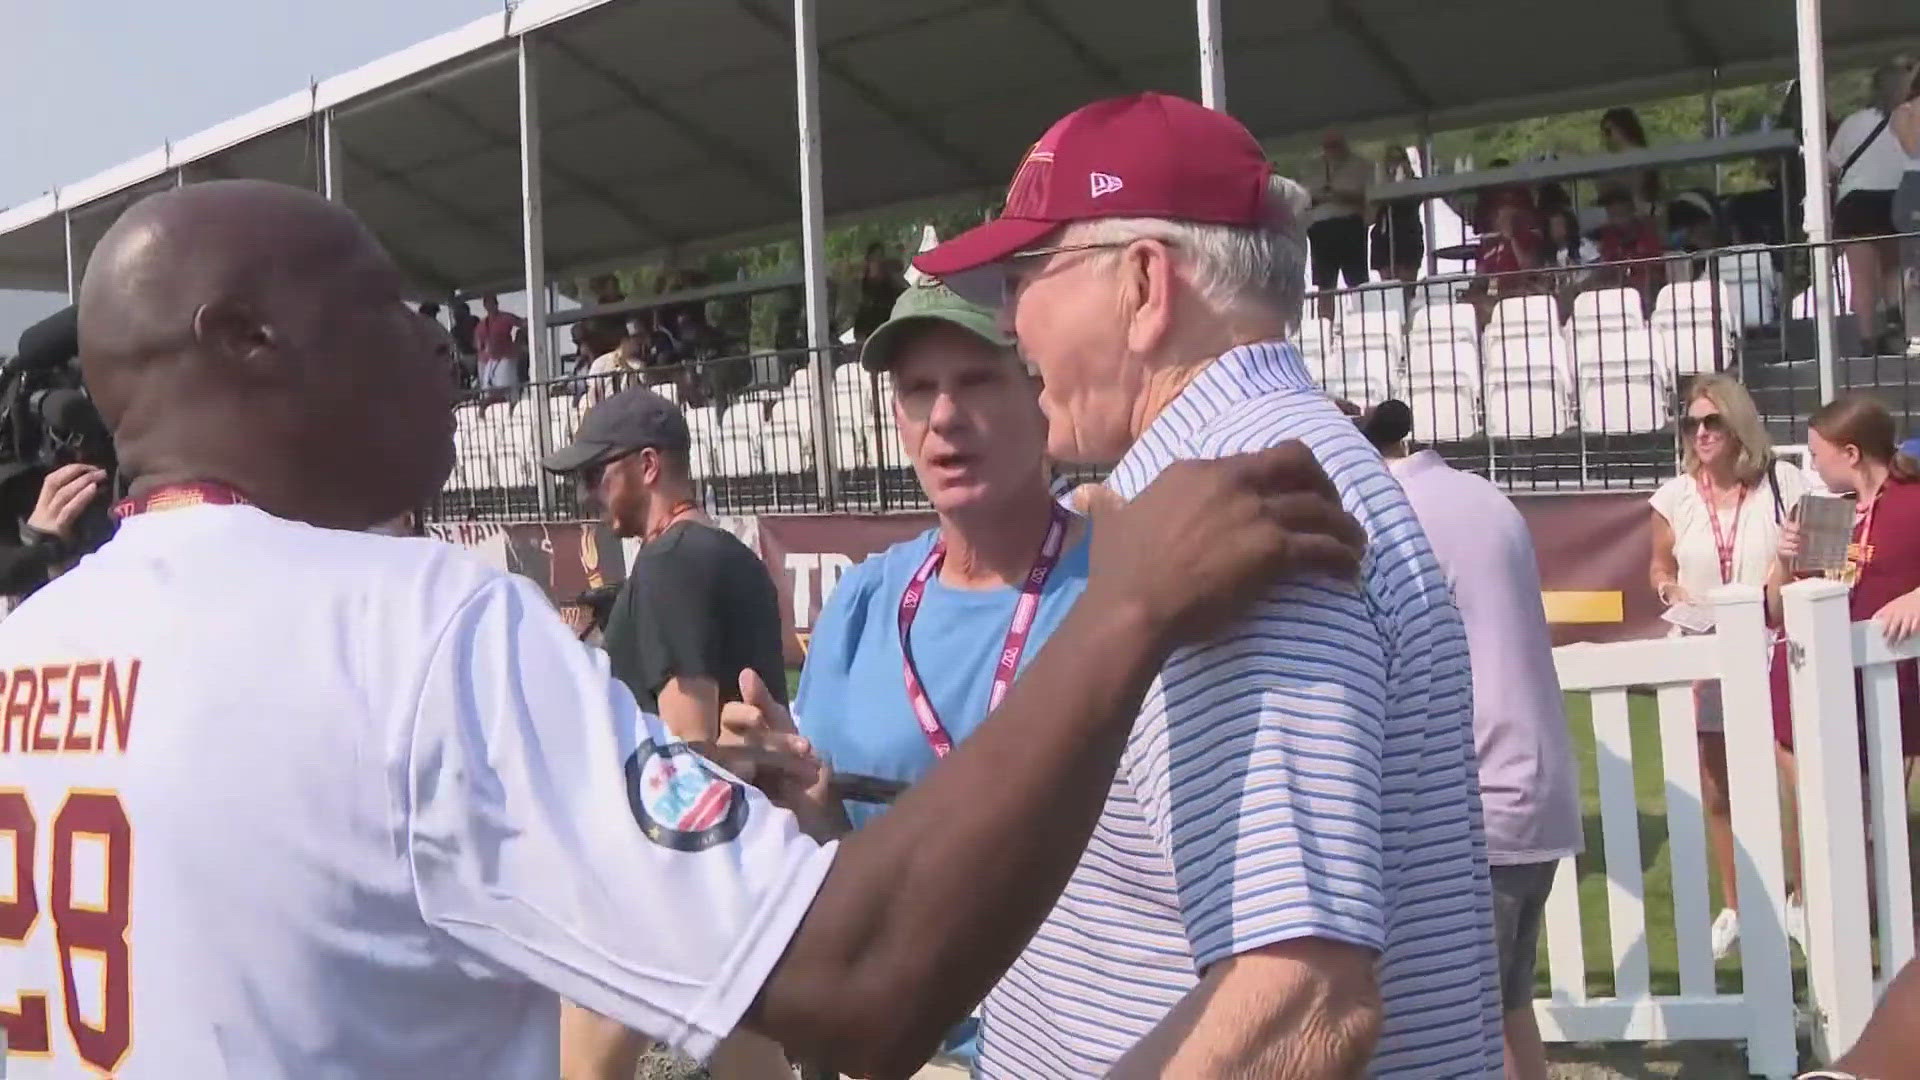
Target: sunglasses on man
[591, 473]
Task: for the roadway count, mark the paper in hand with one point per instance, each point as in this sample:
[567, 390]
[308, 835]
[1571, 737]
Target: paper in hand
[1826, 531]
[1693, 618]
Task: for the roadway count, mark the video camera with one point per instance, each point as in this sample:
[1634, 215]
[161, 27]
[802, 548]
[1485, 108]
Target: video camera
[48, 420]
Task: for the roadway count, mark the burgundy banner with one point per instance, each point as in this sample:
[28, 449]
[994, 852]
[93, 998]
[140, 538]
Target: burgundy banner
[807, 553]
[1593, 551]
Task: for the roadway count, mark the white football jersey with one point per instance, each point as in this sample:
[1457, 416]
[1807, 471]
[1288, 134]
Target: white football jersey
[281, 801]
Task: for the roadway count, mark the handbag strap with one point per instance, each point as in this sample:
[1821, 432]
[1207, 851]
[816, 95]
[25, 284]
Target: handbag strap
[1773, 482]
[1885, 118]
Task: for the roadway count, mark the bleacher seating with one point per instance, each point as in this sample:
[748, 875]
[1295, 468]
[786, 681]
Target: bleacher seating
[1622, 386]
[1443, 372]
[1528, 370]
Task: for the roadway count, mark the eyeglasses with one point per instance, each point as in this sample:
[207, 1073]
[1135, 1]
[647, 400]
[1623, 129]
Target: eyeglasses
[1693, 425]
[1010, 279]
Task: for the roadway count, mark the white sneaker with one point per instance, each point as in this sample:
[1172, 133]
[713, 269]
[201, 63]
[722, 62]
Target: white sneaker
[1797, 923]
[1726, 932]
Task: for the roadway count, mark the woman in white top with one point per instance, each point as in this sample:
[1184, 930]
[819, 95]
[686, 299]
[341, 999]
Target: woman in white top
[1868, 164]
[1718, 523]
[1905, 126]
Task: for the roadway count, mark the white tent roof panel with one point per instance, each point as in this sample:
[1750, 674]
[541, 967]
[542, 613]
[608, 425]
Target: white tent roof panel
[669, 124]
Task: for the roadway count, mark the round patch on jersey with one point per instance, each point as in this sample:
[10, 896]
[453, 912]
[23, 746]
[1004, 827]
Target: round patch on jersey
[681, 800]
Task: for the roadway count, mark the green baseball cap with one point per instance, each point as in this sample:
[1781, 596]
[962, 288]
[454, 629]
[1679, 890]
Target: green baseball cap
[927, 302]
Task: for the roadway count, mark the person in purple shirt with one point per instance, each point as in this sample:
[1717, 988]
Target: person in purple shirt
[1528, 790]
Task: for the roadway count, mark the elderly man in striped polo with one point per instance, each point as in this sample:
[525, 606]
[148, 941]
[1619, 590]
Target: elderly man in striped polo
[1289, 879]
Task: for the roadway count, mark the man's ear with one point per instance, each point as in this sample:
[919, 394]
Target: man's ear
[1149, 283]
[233, 334]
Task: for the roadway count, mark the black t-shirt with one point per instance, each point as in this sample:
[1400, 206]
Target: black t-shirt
[698, 603]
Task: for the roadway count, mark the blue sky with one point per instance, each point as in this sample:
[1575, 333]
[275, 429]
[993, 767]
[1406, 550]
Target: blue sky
[111, 79]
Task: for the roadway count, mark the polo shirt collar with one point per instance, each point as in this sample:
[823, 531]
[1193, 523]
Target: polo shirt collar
[1240, 374]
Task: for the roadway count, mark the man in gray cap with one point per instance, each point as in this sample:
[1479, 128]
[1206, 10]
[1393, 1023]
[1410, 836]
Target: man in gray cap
[698, 608]
[696, 612]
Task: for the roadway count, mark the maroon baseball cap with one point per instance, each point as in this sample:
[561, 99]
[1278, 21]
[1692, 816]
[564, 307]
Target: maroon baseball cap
[1148, 155]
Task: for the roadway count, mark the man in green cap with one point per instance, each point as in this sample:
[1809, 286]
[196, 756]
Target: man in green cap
[977, 595]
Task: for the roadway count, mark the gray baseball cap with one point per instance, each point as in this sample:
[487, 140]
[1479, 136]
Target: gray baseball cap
[928, 302]
[636, 419]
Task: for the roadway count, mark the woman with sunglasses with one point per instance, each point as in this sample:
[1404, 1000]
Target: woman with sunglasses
[1718, 523]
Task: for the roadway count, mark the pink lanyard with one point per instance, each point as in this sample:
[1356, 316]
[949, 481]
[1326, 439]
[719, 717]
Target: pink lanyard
[1017, 632]
[1723, 542]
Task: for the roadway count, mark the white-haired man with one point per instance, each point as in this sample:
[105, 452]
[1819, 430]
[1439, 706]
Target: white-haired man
[1289, 878]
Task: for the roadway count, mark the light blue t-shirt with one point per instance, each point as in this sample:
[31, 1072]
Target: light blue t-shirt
[853, 697]
[853, 701]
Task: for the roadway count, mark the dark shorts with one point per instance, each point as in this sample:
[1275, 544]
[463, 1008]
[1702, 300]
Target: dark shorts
[1398, 239]
[1863, 213]
[1339, 249]
[1519, 908]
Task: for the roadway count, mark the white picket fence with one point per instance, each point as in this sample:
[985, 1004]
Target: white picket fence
[1824, 650]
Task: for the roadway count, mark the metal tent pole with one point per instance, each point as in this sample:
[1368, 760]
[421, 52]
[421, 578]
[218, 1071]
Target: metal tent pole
[330, 160]
[1819, 212]
[813, 243]
[1426, 205]
[73, 266]
[533, 244]
[1213, 71]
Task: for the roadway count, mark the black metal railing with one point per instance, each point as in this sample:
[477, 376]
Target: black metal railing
[1570, 377]
[1561, 378]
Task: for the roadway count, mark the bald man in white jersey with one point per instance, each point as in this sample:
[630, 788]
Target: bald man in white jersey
[284, 798]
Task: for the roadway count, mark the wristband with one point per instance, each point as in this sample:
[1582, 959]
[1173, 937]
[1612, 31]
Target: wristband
[36, 537]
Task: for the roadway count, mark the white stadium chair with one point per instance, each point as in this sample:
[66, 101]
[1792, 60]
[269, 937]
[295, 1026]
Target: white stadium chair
[1375, 314]
[468, 473]
[1373, 345]
[1316, 341]
[801, 381]
[1443, 372]
[518, 444]
[788, 442]
[888, 450]
[1528, 370]
[700, 427]
[1750, 287]
[1685, 327]
[736, 443]
[860, 441]
[1622, 386]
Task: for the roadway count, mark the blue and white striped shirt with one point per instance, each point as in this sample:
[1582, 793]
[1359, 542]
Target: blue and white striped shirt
[1311, 775]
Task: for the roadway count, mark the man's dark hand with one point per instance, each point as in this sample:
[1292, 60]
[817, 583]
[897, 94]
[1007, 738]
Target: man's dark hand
[1207, 538]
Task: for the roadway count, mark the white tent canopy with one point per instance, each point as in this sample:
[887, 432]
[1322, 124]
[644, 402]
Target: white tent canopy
[670, 124]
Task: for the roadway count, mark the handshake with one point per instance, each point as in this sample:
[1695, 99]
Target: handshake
[1178, 565]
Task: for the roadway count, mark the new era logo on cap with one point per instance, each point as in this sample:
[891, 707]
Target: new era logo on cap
[1104, 183]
